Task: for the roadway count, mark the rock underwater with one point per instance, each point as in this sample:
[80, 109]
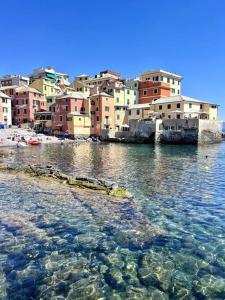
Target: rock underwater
[112, 206]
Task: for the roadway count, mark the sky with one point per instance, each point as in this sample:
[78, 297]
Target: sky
[129, 36]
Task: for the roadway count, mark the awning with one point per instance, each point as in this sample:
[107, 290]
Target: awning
[53, 76]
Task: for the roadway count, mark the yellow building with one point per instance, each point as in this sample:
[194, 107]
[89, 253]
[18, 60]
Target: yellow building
[43, 121]
[124, 95]
[138, 112]
[79, 86]
[79, 124]
[45, 86]
[182, 107]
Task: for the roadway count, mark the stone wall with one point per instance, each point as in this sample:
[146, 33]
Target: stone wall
[210, 131]
[170, 131]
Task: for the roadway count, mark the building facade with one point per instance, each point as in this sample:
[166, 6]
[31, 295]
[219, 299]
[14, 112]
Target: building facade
[5, 110]
[10, 80]
[102, 113]
[157, 84]
[64, 105]
[182, 107]
[26, 102]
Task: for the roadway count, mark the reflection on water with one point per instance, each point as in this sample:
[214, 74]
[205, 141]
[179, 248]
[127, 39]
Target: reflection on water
[53, 246]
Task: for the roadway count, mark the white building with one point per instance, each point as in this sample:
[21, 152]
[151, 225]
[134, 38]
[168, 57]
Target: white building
[6, 109]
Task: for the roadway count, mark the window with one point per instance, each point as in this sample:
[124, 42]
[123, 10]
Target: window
[189, 115]
[155, 78]
[45, 87]
[190, 105]
[75, 108]
[168, 80]
[173, 81]
[169, 106]
[173, 91]
[160, 107]
[106, 108]
[129, 112]
[18, 111]
[213, 106]
[135, 93]
[128, 102]
[145, 92]
[128, 92]
[155, 91]
[169, 116]
[201, 106]
[24, 93]
[67, 108]
[178, 116]
[97, 118]
[178, 105]
[138, 112]
[135, 85]
[82, 109]
[5, 109]
[117, 117]
[117, 100]
[25, 111]
[92, 112]
[60, 118]
[96, 108]
[92, 102]
[161, 78]
[178, 92]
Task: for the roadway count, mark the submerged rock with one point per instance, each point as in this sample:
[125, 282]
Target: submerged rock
[50, 172]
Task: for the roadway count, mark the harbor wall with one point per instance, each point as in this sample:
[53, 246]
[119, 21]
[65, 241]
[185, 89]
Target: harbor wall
[169, 131]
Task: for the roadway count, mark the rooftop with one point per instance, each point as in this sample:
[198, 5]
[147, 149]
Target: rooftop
[179, 98]
[139, 106]
[2, 95]
[75, 95]
[163, 72]
[25, 88]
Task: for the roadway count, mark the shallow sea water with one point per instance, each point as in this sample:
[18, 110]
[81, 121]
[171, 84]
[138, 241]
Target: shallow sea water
[55, 246]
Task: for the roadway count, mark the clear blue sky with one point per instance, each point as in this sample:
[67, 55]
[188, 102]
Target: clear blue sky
[182, 36]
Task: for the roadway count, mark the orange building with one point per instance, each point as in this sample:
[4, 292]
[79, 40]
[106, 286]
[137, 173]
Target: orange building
[102, 113]
[153, 90]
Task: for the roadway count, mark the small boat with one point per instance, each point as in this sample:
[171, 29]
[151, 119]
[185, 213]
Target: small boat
[34, 142]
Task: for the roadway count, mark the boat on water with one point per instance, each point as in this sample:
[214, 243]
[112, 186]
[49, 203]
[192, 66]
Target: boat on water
[34, 142]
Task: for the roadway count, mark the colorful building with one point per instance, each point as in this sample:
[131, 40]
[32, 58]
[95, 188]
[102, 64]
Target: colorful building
[64, 105]
[46, 86]
[79, 124]
[5, 109]
[102, 113]
[26, 102]
[182, 107]
[158, 84]
[10, 80]
[138, 112]
[124, 95]
[102, 77]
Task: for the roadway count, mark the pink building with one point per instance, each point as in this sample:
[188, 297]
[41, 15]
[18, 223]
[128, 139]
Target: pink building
[26, 102]
[75, 102]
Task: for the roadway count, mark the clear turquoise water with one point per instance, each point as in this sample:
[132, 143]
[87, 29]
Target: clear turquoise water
[53, 246]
